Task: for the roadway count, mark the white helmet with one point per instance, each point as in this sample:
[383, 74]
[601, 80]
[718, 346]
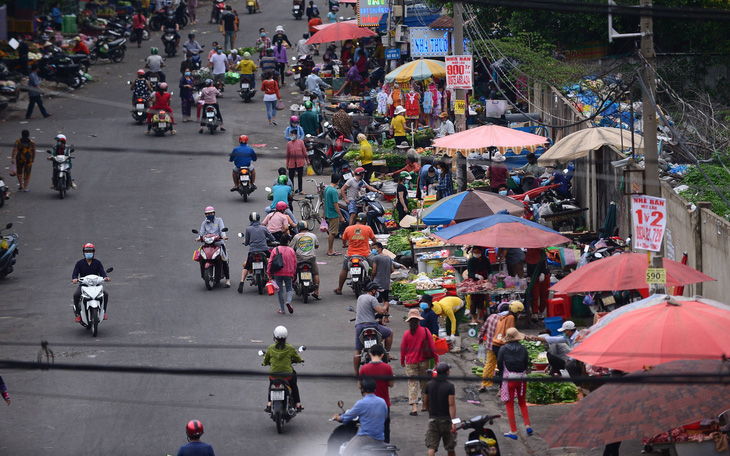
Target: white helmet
[234, 51]
[280, 332]
[60, 137]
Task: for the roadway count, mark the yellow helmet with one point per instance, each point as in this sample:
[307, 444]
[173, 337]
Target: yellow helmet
[516, 307]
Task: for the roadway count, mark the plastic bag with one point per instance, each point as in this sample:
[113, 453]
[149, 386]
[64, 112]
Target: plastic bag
[13, 169]
[324, 227]
[310, 170]
[279, 105]
[482, 353]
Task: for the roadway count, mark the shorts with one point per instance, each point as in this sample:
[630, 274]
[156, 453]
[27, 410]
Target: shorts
[334, 225]
[352, 207]
[312, 263]
[440, 429]
[219, 78]
[383, 330]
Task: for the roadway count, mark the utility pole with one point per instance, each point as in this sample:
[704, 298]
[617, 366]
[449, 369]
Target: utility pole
[460, 124]
[651, 154]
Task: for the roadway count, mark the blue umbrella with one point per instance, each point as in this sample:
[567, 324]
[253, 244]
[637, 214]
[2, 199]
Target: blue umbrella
[469, 205]
[501, 230]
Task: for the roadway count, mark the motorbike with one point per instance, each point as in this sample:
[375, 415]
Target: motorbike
[303, 283]
[369, 337]
[302, 69]
[59, 68]
[112, 50]
[61, 167]
[343, 433]
[296, 10]
[168, 42]
[259, 265]
[246, 92]
[317, 147]
[154, 79]
[380, 129]
[210, 257]
[359, 273]
[160, 126]
[211, 119]
[251, 5]
[282, 406]
[4, 192]
[482, 441]
[139, 113]
[245, 187]
[92, 301]
[8, 251]
[375, 212]
[216, 12]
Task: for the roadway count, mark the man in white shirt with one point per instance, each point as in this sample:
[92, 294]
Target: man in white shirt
[446, 127]
[219, 64]
[302, 47]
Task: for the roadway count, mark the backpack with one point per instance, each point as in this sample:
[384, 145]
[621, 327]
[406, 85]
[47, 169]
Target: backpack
[277, 261]
[315, 10]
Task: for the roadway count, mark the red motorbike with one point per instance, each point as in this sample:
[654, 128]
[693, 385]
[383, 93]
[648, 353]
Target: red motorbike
[210, 257]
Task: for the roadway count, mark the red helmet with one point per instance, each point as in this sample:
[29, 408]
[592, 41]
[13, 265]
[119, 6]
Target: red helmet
[141, 71]
[194, 429]
[89, 247]
[281, 206]
[243, 139]
[359, 170]
[294, 119]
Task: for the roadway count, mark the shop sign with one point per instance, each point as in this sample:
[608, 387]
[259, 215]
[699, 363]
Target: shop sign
[656, 275]
[649, 220]
[459, 71]
[392, 54]
[369, 12]
[426, 42]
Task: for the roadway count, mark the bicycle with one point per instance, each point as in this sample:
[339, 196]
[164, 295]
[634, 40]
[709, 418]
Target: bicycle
[308, 209]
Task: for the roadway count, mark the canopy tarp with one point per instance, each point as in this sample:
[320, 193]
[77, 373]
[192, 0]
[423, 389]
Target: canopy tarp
[478, 139]
[581, 143]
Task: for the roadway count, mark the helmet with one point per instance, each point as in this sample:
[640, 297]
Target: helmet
[163, 86]
[373, 286]
[282, 180]
[294, 119]
[153, 50]
[234, 51]
[246, 55]
[359, 170]
[254, 216]
[280, 332]
[308, 104]
[361, 217]
[335, 8]
[516, 307]
[405, 175]
[89, 247]
[209, 209]
[208, 82]
[191, 35]
[194, 429]
[315, 69]
[141, 71]
[279, 28]
[60, 138]
[342, 105]
[302, 225]
[270, 50]
[281, 206]
[243, 139]
[368, 385]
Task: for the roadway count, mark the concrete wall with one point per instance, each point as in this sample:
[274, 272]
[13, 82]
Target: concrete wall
[715, 234]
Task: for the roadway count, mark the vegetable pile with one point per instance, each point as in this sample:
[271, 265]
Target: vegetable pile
[404, 291]
[399, 241]
[550, 393]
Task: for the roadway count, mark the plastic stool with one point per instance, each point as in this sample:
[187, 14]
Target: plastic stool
[558, 307]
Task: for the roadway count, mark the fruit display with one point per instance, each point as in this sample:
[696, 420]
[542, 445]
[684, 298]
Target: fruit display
[427, 242]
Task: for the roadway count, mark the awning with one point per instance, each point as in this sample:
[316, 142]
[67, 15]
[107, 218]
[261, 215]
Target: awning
[581, 143]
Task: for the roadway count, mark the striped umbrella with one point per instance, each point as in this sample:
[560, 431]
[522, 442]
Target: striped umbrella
[418, 70]
[469, 205]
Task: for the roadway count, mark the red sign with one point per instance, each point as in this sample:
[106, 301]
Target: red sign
[459, 71]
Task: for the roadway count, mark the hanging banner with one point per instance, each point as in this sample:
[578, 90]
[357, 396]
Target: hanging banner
[649, 219]
[369, 12]
[459, 71]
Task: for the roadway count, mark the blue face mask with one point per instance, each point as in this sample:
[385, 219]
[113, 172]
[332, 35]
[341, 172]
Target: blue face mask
[218, 51]
[88, 256]
[377, 294]
[187, 73]
[210, 217]
[424, 306]
[263, 34]
[503, 192]
[373, 251]
[366, 98]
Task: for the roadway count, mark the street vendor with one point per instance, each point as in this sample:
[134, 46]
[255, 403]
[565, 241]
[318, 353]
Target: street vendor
[559, 346]
[446, 126]
[366, 157]
[478, 267]
[557, 177]
[428, 179]
[453, 309]
[412, 167]
[398, 125]
[79, 46]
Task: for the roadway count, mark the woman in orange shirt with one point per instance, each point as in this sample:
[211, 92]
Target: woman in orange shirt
[271, 96]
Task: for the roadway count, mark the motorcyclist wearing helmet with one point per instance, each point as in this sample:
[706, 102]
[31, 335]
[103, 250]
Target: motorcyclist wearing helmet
[242, 157]
[367, 307]
[309, 120]
[154, 64]
[304, 244]
[248, 68]
[141, 87]
[215, 225]
[160, 101]
[281, 192]
[371, 411]
[280, 356]
[294, 126]
[170, 23]
[278, 222]
[61, 148]
[88, 266]
[315, 84]
[209, 96]
[352, 188]
[192, 46]
[195, 447]
[356, 239]
[256, 238]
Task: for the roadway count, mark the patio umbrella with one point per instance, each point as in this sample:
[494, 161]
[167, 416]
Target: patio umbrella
[624, 411]
[327, 24]
[501, 230]
[340, 31]
[626, 271]
[485, 136]
[418, 70]
[469, 205]
[656, 330]
[581, 143]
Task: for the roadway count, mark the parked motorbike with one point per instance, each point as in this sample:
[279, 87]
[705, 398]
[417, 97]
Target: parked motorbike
[59, 68]
[375, 212]
[319, 146]
[217, 11]
[282, 405]
[8, 251]
[343, 433]
[358, 270]
[482, 441]
[211, 119]
[113, 50]
[245, 187]
[246, 92]
[303, 280]
[92, 301]
[210, 257]
[60, 177]
[369, 337]
[168, 42]
[297, 9]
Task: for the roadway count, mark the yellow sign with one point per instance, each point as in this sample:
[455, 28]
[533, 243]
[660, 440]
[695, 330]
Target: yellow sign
[656, 275]
[459, 107]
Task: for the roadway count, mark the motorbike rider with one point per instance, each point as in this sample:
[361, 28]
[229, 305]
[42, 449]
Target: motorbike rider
[309, 120]
[214, 225]
[281, 191]
[358, 236]
[195, 447]
[294, 126]
[315, 84]
[88, 266]
[154, 63]
[257, 237]
[248, 69]
[191, 46]
[242, 157]
[208, 95]
[304, 244]
[160, 101]
[62, 149]
[372, 412]
[280, 356]
[141, 87]
[351, 190]
[367, 307]
[277, 221]
[171, 23]
[302, 47]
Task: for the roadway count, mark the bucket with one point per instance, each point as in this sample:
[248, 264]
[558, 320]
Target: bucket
[270, 290]
[442, 346]
[553, 324]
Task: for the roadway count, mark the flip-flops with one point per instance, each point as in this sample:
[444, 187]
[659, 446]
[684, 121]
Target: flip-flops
[316, 296]
[413, 413]
[334, 254]
[336, 292]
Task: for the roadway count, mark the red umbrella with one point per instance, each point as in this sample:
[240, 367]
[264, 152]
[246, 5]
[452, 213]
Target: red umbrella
[340, 31]
[679, 291]
[624, 411]
[501, 230]
[657, 330]
[626, 271]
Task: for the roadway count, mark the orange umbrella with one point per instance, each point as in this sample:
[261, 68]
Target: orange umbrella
[340, 31]
[489, 135]
[328, 24]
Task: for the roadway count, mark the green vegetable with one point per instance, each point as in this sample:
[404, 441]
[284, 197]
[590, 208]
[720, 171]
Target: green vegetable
[351, 155]
[404, 291]
[533, 349]
[437, 272]
[399, 241]
[550, 393]
[395, 160]
[389, 144]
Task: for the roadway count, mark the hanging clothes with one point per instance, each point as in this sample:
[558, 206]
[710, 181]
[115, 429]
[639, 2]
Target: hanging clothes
[382, 99]
[427, 102]
[412, 104]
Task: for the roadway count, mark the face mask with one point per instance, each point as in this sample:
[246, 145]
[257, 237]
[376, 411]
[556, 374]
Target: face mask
[476, 255]
[263, 34]
[210, 217]
[218, 51]
[293, 138]
[187, 73]
[424, 306]
[367, 98]
[374, 252]
[503, 192]
[377, 294]
[88, 256]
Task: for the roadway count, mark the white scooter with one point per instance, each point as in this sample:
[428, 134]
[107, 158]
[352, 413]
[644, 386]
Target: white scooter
[92, 301]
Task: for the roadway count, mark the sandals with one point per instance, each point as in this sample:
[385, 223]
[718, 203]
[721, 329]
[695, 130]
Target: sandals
[289, 308]
[336, 292]
[334, 254]
[316, 296]
[280, 311]
[413, 413]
